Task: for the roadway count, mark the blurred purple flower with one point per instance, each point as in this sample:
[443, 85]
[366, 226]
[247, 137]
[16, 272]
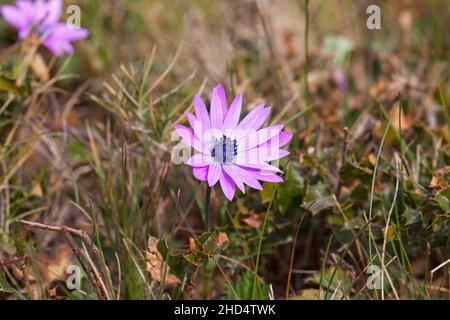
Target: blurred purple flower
[41, 17]
[230, 152]
[340, 79]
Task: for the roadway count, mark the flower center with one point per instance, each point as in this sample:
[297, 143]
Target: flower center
[224, 150]
[42, 30]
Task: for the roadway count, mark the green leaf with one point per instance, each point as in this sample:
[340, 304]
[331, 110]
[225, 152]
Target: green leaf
[443, 202]
[267, 192]
[338, 284]
[412, 216]
[9, 85]
[310, 294]
[244, 286]
[290, 192]
[321, 204]
[4, 285]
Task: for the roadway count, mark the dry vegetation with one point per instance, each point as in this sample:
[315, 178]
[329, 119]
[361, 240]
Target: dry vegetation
[87, 177]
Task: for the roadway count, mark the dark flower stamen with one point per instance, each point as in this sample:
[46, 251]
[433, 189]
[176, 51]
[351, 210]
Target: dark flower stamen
[224, 150]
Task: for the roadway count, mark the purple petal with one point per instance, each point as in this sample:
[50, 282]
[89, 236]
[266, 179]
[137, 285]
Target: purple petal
[284, 138]
[272, 154]
[57, 47]
[232, 117]
[27, 8]
[15, 17]
[273, 178]
[243, 175]
[259, 155]
[53, 11]
[196, 124]
[262, 167]
[199, 160]
[201, 112]
[214, 173]
[255, 119]
[228, 186]
[265, 175]
[235, 176]
[277, 142]
[187, 137]
[62, 32]
[217, 113]
[191, 118]
[60, 38]
[201, 173]
[222, 98]
[256, 138]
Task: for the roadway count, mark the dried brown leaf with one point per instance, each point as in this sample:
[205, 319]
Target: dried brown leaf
[156, 264]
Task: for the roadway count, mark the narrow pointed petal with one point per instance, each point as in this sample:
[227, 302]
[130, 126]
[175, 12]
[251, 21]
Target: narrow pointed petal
[60, 38]
[214, 173]
[272, 147]
[232, 117]
[255, 119]
[262, 167]
[54, 11]
[201, 112]
[262, 117]
[62, 32]
[250, 118]
[235, 176]
[264, 175]
[195, 124]
[187, 137]
[228, 186]
[284, 138]
[223, 98]
[191, 119]
[257, 156]
[199, 160]
[273, 178]
[256, 138]
[14, 16]
[217, 113]
[201, 173]
[244, 175]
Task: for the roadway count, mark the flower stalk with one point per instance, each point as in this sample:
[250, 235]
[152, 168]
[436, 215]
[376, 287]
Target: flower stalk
[209, 217]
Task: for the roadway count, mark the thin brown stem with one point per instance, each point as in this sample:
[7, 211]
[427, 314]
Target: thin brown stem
[306, 45]
[291, 264]
[209, 223]
[96, 280]
[343, 161]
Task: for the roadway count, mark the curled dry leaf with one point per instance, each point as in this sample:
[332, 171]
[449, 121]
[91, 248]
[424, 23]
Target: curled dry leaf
[37, 190]
[192, 245]
[54, 266]
[156, 264]
[439, 180]
[222, 238]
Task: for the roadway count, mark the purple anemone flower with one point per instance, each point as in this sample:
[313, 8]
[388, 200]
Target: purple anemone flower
[230, 152]
[41, 17]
